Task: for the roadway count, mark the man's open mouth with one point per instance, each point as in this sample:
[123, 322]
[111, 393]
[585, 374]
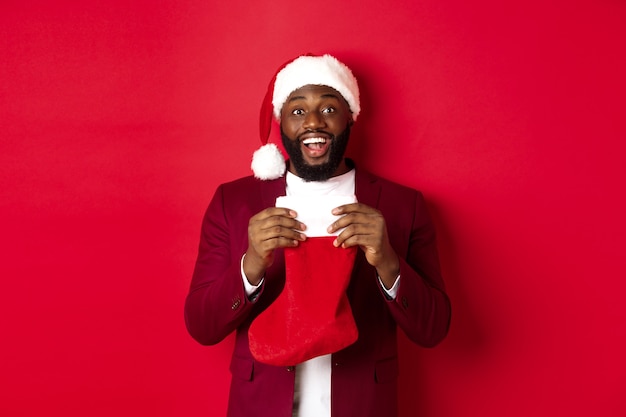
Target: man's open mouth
[315, 143]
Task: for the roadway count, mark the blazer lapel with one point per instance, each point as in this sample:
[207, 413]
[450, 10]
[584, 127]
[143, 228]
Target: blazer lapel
[367, 188]
[270, 190]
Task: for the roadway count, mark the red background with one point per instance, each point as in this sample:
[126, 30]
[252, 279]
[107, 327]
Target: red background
[117, 122]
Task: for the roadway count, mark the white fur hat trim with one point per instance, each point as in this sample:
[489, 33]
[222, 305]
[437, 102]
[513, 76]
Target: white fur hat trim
[316, 70]
[268, 163]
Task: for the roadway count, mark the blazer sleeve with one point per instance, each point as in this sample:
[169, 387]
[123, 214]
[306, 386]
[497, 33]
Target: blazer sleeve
[421, 307]
[216, 303]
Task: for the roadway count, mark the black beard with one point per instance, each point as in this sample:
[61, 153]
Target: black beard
[338, 145]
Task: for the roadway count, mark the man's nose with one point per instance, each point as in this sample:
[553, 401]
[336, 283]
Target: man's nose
[313, 120]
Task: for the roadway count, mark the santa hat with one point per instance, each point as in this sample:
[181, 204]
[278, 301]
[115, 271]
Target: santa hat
[312, 315]
[267, 162]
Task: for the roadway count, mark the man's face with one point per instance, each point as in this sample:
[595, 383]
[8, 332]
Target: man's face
[315, 126]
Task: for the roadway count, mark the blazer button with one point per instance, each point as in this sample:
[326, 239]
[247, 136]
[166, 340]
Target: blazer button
[236, 304]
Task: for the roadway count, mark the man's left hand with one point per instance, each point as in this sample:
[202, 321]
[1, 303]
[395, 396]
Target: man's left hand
[365, 227]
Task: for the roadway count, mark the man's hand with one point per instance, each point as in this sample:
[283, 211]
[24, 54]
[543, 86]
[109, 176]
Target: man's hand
[365, 227]
[272, 228]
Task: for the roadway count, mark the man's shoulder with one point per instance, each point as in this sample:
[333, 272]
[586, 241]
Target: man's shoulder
[384, 183]
[250, 187]
[247, 181]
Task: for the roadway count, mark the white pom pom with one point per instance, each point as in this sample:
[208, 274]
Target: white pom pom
[268, 163]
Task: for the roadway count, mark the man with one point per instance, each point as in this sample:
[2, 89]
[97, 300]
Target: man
[240, 270]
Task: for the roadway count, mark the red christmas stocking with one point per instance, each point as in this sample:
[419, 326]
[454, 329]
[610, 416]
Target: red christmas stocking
[312, 315]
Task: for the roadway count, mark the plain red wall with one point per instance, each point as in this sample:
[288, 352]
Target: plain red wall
[117, 122]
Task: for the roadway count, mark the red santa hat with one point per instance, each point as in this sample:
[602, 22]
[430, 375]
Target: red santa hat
[267, 161]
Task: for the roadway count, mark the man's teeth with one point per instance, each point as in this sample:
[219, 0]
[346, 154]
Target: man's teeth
[310, 141]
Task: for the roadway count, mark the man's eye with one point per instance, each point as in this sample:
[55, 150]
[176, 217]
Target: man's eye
[297, 112]
[328, 110]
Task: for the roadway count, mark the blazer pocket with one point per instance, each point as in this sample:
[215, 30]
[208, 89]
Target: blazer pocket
[386, 370]
[242, 368]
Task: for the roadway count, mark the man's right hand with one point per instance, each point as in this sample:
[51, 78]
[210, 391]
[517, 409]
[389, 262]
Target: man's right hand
[274, 227]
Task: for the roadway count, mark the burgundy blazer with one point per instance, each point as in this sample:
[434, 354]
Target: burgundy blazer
[364, 375]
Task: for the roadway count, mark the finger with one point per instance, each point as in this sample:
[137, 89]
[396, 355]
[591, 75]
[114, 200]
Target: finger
[279, 232]
[353, 240]
[350, 235]
[368, 231]
[346, 208]
[276, 221]
[354, 218]
[353, 208]
[264, 249]
[264, 242]
[279, 242]
[275, 211]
